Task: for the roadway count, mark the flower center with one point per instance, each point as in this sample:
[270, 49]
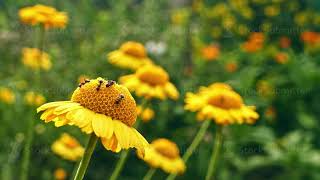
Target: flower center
[71, 143]
[108, 98]
[166, 148]
[225, 99]
[153, 75]
[134, 49]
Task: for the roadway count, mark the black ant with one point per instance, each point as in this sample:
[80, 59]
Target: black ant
[119, 99]
[110, 83]
[83, 83]
[99, 85]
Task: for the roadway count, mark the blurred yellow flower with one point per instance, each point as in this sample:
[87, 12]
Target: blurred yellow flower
[272, 10]
[131, 55]
[246, 12]
[310, 37]
[231, 66]
[281, 57]
[180, 16]
[254, 43]
[228, 22]
[47, 16]
[150, 81]
[7, 96]
[163, 153]
[60, 174]
[210, 53]
[145, 114]
[35, 59]
[301, 18]
[220, 103]
[243, 30]
[34, 99]
[284, 42]
[68, 148]
[101, 107]
[265, 89]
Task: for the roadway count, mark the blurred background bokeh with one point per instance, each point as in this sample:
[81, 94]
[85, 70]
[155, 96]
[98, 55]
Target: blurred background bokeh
[267, 50]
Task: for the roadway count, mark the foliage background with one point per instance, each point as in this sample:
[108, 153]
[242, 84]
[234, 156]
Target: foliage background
[284, 145]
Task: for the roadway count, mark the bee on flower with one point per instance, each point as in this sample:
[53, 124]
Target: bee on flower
[131, 55]
[68, 148]
[220, 103]
[163, 153]
[150, 81]
[103, 109]
[46, 16]
[7, 96]
[36, 59]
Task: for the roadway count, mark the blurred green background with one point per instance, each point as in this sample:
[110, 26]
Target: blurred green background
[282, 144]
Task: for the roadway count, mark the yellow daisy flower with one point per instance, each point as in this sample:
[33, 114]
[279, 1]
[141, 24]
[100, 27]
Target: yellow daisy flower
[35, 59]
[68, 148]
[163, 153]
[131, 55]
[7, 96]
[60, 174]
[101, 107]
[221, 104]
[32, 98]
[145, 114]
[47, 16]
[150, 81]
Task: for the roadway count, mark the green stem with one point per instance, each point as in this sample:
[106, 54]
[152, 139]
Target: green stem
[27, 150]
[196, 141]
[215, 154]
[29, 135]
[120, 164]
[86, 157]
[149, 174]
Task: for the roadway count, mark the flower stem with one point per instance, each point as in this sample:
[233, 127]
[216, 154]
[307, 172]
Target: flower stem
[149, 174]
[120, 164]
[124, 155]
[27, 150]
[196, 141]
[86, 157]
[29, 135]
[215, 154]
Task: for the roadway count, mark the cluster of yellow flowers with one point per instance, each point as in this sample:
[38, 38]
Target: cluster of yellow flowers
[47, 16]
[36, 59]
[68, 148]
[149, 80]
[34, 99]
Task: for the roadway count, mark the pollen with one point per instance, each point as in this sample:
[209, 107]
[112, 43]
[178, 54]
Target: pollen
[153, 75]
[108, 98]
[134, 49]
[166, 148]
[226, 99]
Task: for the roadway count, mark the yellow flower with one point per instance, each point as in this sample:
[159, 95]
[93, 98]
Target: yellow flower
[60, 174]
[265, 89]
[163, 153]
[150, 81]
[101, 107]
[272, 10]
[221, 104]
[32, 98]
[131, 55]
[7, 96]
[231, 67]
[210, 53]
[68, 148]
[35, 59]
[281, 58]
[180, 16]
[145, 114]
[47, 16]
